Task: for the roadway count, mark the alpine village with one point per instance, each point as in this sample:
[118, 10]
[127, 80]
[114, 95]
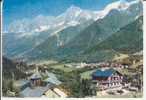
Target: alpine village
[78, 54]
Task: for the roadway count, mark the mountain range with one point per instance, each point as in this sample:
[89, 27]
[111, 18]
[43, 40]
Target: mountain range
[77, 34]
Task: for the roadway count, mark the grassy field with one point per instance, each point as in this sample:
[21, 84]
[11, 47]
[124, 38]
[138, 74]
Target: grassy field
[87, 74]
[62, 67]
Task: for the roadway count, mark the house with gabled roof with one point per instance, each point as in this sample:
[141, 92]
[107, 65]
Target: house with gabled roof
[35, 79]
[107, 79]
[40, 87]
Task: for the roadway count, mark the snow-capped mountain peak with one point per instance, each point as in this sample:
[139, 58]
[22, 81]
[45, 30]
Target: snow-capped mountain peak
[120, 5]
[71, 17]
[73, 9]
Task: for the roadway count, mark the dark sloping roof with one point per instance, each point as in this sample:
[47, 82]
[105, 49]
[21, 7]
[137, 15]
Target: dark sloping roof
[52, 79]
[104, 73]
[34, 92]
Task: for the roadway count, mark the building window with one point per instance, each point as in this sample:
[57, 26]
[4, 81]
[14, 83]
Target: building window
[115, 83]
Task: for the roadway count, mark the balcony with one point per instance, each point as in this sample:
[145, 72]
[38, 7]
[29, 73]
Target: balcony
[104, 87]
[107, 81]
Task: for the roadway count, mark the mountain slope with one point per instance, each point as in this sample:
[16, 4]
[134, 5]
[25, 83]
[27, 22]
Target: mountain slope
[73, 33]
[89, 37]
[103, 28]
[128, 39]
[23, 35]
[51, 45]
[13, 44]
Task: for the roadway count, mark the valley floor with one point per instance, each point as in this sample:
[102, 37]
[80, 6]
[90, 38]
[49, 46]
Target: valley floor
[75, 79]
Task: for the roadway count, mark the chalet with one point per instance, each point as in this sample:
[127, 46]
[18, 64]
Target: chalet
[37, 86]
[35, 79]
[43, 91]
[106, 79]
